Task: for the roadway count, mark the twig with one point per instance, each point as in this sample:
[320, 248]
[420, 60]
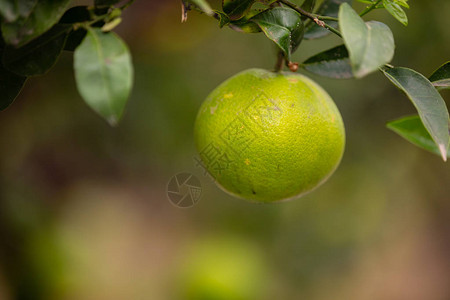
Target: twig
[326, 18]
[316, 18]
[302, 12]
[369, 8]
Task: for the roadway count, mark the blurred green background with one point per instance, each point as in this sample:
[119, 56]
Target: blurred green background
[83, 206]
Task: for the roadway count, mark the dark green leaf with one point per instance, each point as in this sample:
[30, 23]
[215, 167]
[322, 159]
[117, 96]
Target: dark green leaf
[10, 10]
[267, 2]
[396, 11]
[441, 77]
[370, 45]
[428, 102]
[10, 86]
[283, 26]
[105, 2]
[327, 8]
[74, 39]
[245, 24]
[223, 18]
[76, 14]
[236, 9]
[333, 63]
[45, 14]
[104, 73]
[39, 55]
[308, 5]
[411, 128]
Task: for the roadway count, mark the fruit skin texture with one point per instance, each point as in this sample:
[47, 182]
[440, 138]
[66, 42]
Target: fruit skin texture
[266, 136]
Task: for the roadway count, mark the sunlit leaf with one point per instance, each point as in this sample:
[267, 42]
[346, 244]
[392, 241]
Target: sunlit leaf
[44, 15]
[333, 63]
[441, 77]
[328, 8]
[411, 128]
[428, 102]
[104, 73]
[370, 45]
[403, 3]
[396, 11]
[39, 55]
[283, 26]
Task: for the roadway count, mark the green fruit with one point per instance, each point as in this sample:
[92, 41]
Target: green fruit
[268, 136]
[222, 268]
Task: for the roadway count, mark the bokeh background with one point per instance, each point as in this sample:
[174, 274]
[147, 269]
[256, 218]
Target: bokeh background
[83, 207]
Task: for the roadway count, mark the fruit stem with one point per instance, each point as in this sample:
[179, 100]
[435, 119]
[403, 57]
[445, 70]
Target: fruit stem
[280, 60]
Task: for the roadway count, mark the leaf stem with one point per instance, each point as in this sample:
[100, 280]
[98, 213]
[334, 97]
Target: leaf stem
[87, 24]
[316, 18]
[369, 8]
[333, 30]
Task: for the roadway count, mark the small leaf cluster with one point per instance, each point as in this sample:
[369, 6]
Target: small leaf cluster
[368, 46]
[34, 33]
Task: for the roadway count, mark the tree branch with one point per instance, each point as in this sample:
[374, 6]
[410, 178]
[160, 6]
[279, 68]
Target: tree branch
[316, 18]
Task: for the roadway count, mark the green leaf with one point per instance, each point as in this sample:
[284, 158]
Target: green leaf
[428, 102]
[111, 24]
[333, 63]
[223, 18]
[328, 8]
[245, 24]
[10, 86]
[203, 5]
[10, 10]
[283, 26]
[396, 11]
[45, 14]
[441, 77]
[104, 73]
[236, 9]
[308, 5]
[403, 3]
[39, 55]
[370, 45]
[411, 128]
